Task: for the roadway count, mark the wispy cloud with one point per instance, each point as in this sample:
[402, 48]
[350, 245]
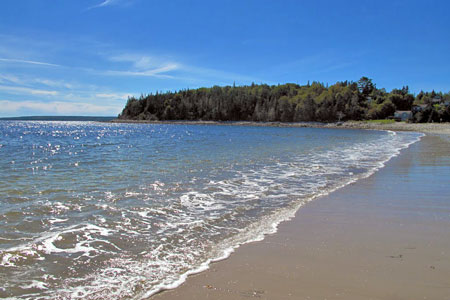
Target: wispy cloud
[113, 95]
[121, 63]
[44, 88]
[31, 62]
[53, 83]
[106, 81]
[6, 78]
[168, 68]
[27, 91]
[142, 65]
[99, 87]
[28, 81]
[105, 3]
[148, 73]
[57, 108]
[139, 62]
[43, 83]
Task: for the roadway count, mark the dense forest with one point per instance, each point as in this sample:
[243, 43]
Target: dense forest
[342, 101]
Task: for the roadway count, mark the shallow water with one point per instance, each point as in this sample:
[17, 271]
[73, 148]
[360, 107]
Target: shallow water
[101, 211]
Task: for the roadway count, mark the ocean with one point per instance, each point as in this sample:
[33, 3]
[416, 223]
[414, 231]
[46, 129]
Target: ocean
[122, 211]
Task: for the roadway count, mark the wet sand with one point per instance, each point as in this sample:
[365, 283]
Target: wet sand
[383, 237]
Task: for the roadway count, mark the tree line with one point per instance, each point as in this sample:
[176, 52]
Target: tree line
[342, 101]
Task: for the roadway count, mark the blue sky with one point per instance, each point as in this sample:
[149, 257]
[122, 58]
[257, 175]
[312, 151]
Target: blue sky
[85, 57]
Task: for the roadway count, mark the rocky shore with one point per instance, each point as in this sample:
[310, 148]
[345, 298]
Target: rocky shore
[432, 128]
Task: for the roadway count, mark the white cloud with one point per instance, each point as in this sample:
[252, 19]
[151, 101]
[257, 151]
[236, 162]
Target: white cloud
[157, 66]
[73, 91]
[113, 96]
[148, 73]
[57, 108]
[6, 78]
[21, 61]
[79, 83]
[25, 90]
[31, 81]
[104, 3]
[99, 97]
[54, 83]
[142, 65]
[139, 62]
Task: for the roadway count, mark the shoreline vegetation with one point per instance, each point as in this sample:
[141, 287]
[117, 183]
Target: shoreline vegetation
[287, 103]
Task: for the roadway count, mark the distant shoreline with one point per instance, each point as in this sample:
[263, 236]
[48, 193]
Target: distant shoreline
[432, 128]
[59, 118]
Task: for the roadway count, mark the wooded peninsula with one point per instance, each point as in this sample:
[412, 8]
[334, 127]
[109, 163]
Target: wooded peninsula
[290, 102]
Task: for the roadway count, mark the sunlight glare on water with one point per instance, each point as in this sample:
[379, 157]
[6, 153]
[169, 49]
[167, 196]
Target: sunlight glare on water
[121, 211]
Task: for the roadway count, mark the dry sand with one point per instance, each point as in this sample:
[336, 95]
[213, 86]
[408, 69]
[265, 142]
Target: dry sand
[383, 237]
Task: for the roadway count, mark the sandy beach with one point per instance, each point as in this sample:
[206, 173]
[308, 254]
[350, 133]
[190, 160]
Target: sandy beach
[384, 237]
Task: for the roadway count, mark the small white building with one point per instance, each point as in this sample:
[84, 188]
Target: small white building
[402, 115]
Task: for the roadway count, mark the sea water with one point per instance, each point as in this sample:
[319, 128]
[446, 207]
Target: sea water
[122, 211]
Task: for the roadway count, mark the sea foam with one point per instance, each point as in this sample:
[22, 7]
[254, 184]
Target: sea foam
[143, 218]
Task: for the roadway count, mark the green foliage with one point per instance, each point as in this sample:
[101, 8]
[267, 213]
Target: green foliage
[285, 103]
[381, 111]
[401, 102]
[435, 107]
[366, 86]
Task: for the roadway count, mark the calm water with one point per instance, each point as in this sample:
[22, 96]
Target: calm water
[121, 211]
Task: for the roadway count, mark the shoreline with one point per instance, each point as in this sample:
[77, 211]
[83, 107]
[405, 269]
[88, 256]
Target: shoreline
[254, 269]
[433, 128]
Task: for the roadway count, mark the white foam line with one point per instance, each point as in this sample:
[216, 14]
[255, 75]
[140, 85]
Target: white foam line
[48, 239]
[35, 284]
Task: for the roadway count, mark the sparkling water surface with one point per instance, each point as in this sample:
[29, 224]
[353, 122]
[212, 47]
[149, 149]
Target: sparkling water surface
[120, 211]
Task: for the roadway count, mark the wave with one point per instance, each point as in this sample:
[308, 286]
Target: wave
[151, 238]
[257, 231]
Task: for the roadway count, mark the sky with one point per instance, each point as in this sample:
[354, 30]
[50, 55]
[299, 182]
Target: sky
[86, 57]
